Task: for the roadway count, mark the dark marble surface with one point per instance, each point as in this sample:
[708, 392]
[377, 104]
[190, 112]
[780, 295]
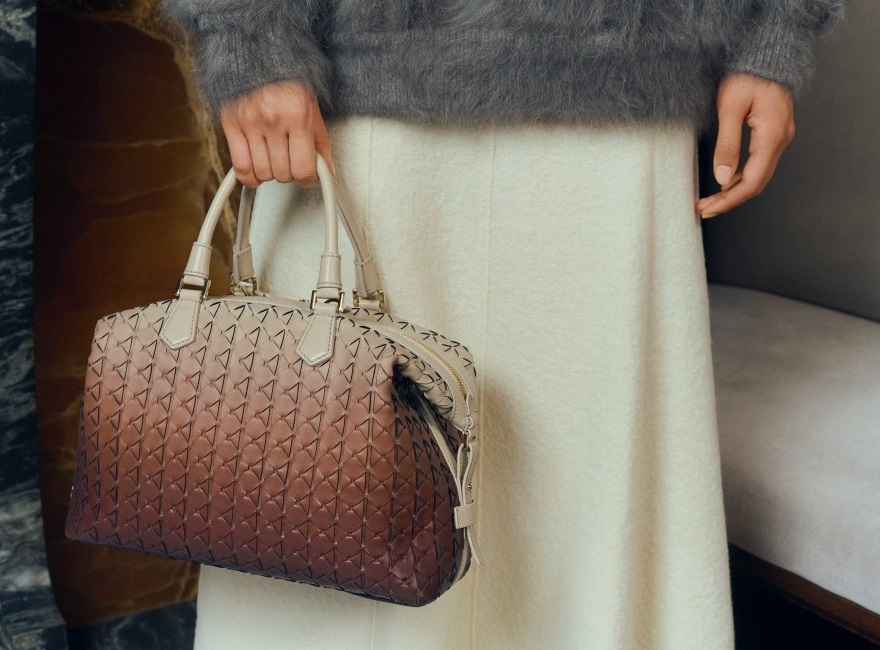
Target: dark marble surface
[165, 628]
[28, 616]
[16, 204]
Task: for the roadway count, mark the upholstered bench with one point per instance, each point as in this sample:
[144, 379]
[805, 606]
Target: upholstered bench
[798, 395]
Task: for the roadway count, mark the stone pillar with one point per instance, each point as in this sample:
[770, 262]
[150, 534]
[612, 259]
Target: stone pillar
[28, 616]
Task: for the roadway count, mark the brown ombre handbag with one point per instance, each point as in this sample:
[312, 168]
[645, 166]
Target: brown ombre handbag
[307, 440]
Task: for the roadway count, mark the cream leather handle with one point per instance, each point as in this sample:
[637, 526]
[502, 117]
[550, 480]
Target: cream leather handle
[329, 286]
[366, 275]
[318, 340]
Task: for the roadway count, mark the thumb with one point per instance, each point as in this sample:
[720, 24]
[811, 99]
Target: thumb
[731, 116]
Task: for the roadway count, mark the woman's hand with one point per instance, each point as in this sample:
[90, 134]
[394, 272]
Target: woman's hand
[768, 109]
[273, 133]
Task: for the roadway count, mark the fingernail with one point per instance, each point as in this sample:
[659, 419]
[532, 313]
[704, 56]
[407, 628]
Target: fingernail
[723, 174]
[708, 215]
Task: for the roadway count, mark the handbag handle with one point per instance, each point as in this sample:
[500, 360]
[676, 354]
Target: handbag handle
[316, 346]
[329, 285]
[244, 279]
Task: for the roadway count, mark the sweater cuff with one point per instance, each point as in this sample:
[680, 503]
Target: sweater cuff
[777, 50]
[233, 61]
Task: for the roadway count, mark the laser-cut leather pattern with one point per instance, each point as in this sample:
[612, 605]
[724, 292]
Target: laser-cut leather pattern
[232, 451]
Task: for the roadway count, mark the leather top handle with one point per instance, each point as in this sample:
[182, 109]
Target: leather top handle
[329, 285]
[366, 275]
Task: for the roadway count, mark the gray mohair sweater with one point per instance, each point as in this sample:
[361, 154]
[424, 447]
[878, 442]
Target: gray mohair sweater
[504, 60]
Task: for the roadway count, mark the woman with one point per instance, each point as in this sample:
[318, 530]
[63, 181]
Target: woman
[525, 173]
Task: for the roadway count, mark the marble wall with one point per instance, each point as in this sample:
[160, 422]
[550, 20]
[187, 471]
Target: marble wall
[28, 616]
[125, 160]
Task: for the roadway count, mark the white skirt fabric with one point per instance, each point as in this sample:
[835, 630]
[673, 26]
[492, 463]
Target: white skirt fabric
[568, 259]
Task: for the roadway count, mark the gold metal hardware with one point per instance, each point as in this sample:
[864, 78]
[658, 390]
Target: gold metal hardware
[355, 299]
[340, 301]
[251, 288]
[204, 289]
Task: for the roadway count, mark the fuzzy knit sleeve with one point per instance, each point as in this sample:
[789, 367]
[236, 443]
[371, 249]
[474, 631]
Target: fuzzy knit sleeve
[243, 44]
[779, 39]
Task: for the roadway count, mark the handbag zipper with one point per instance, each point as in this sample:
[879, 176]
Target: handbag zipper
[445, 365]
[461, 383]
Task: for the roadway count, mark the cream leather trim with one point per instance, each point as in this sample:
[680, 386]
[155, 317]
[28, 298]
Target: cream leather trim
[199, 261]
[319, 340]
[179, 329]
[366, 273]
[242, 259]
[462, 467]
[465, 515]
[331, 267]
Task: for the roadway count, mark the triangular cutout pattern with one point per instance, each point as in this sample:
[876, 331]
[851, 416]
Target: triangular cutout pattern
[232, 451]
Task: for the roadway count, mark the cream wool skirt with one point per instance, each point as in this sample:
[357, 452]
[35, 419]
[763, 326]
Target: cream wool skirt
[569, 260]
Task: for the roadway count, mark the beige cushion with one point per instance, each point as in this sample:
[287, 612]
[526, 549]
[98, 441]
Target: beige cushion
[798, 392]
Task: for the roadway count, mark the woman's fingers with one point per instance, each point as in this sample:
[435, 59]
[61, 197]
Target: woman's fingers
[277, 148]
[273, 133]
[240, 152]
[768, 110]
[301, 153]
[765, 150]
[755, 177]
[259, 148]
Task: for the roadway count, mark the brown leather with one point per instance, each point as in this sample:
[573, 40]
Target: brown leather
[232, 451]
